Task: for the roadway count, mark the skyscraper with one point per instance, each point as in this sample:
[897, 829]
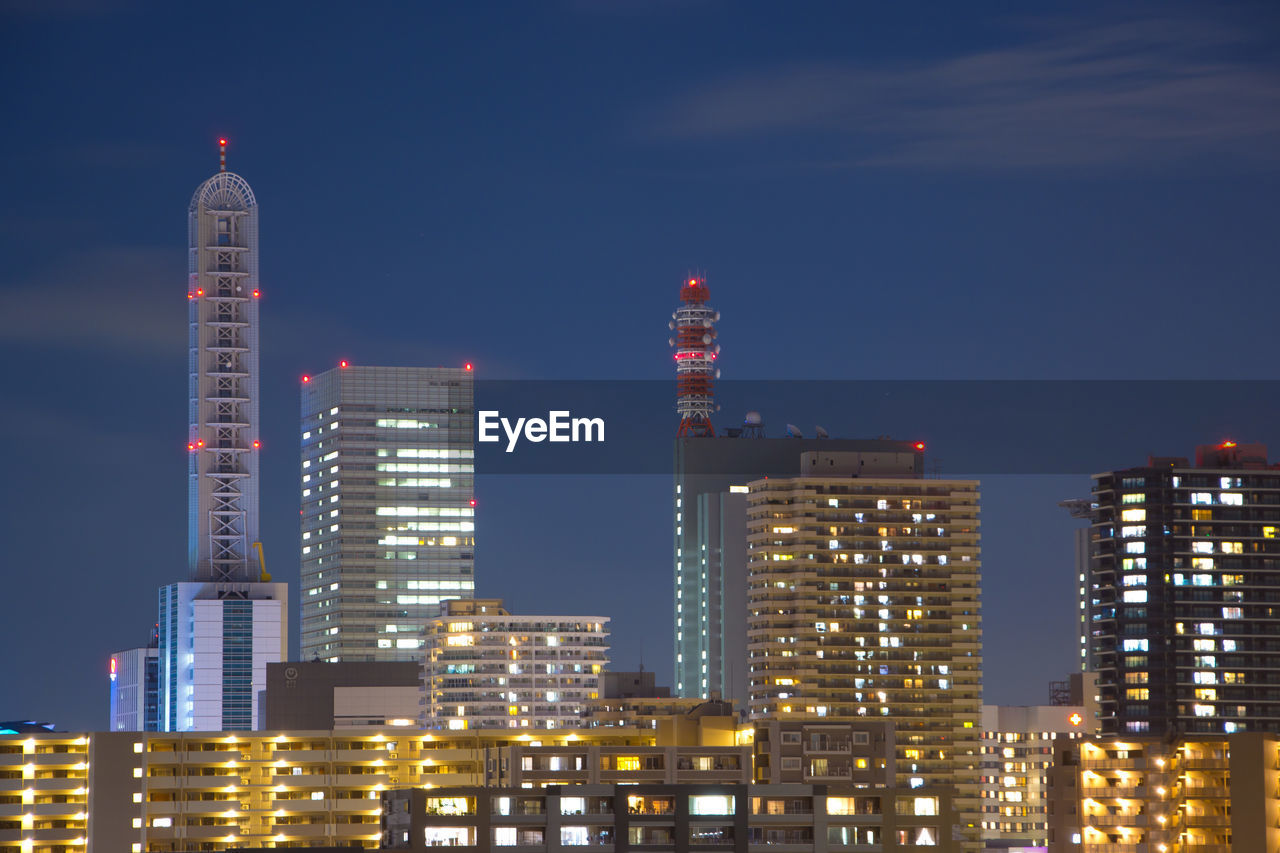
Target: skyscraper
[1183, 585]
[219, 630]
[711, 473]
[865, 602]
[388, 507]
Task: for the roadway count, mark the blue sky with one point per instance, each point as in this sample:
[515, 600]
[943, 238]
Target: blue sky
[911, 191]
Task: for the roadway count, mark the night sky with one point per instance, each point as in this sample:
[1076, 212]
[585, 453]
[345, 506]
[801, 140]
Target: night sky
[932, 191]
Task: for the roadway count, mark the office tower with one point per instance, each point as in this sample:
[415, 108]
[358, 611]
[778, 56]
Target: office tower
[1183, 593]
[135, 688]
[1017, 756]
[388, 507]
[864, 602]
[488, 668]
[219, 629]
[711, 473]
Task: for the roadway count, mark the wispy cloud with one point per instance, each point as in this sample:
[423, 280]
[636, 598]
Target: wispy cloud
[129, 300]
[1132, 92]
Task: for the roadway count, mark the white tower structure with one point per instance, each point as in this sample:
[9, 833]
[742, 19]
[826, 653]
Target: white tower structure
[219, 630]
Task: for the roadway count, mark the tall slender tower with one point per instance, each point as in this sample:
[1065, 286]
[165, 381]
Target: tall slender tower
[694, 324]
[219, 630]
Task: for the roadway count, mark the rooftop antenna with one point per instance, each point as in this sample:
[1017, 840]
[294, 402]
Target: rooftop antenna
[694, 327]
[222, 154]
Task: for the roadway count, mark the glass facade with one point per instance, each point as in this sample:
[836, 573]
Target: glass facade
[388, 512]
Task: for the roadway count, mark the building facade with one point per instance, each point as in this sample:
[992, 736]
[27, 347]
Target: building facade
[1183, 590]
[711, 473]
[1181, 794]
[488, 668]
[388, 507]
[218, 630]
[669, 817]
[865, 602]
[1017, 756]
[135, 688]
[313, 695]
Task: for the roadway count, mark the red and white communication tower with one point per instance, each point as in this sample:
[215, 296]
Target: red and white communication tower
[694, 323]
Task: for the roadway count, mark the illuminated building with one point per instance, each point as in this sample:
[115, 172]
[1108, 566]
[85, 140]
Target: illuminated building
[121, 792]
[669, 817]
[487, 668]
[1186, 794]
[219, 629]
[388, 507]
[1017, 756]
[135, 688]
[1183, 593]
[864, 596]
[711, 474]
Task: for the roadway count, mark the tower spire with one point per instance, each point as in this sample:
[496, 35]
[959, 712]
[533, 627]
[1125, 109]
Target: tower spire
[694, 323]
[222, 154]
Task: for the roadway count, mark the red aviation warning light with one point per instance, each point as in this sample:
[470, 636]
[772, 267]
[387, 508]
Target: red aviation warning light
[306, 379]
[199, 291]
[343, 364]
[256, 444]
[222, 154]
[256, 293]
[191, 445]
[920, 445]
[468, 366]
[694, 324]
[1227, 444]
[473, 501]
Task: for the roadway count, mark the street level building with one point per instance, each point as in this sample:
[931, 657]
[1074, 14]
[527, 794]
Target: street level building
[865, 603]
[1184, 794]
[1184, 584]
[220, 628]
[669, 817]
[488, 668]
[388, 507]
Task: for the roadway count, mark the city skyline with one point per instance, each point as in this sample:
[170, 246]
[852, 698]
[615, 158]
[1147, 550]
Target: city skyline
[1027, 256]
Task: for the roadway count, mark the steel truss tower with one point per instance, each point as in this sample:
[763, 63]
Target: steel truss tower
[223, 407]
[694, 323]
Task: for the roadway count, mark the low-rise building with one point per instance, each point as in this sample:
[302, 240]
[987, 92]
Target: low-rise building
[671, 817]
[1190, 794]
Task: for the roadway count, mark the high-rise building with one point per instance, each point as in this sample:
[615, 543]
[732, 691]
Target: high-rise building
[388, 507]
[135, 688]
[711, 473]
[1183, 585]
[488, 668]
[219, 629]
[865, 602]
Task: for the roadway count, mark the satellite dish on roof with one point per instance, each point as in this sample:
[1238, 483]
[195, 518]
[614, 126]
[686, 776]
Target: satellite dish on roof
[753, 419]
[820, 432]
[793, 431]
